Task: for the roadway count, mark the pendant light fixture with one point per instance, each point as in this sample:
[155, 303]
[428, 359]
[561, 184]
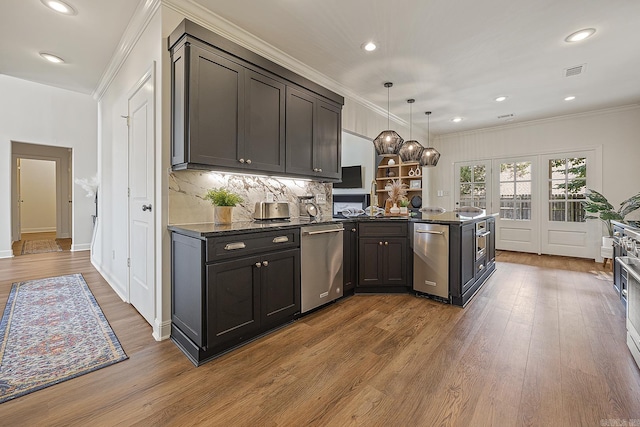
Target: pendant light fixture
[412, 149]
[388, 142]
[430, 155]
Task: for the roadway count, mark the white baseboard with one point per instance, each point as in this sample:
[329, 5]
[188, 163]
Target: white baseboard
[162, 331]
[6, 254]
[38, 230]
[110, 280]
[81, 247]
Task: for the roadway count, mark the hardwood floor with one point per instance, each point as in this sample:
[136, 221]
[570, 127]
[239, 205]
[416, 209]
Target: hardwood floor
[543, 343]
[65, 244]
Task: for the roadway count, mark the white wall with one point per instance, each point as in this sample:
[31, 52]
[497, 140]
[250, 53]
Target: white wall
[38, 196]
[35, 113]
[617, 131]
[111, 247]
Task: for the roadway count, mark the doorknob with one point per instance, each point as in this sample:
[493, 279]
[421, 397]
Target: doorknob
[146, 208]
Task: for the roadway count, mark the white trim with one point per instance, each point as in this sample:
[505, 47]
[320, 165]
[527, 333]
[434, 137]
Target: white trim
[219, 25]
[109, 279]
[138, 23]
[38, 230]
[81, 247]
[161, 330]
[6, 254]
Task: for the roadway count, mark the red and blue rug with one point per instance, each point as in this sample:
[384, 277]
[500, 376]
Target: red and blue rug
[52, 330]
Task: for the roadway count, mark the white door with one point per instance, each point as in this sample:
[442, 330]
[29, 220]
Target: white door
[473, 184]
[141, 198]
[566, 178]
[517, 227]
[17, 235]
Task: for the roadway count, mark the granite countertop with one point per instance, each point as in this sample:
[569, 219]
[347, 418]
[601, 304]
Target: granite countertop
[210, 229]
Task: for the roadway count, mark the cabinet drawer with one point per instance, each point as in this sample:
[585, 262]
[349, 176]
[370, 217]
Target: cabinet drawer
[220, 248]
[389, 228]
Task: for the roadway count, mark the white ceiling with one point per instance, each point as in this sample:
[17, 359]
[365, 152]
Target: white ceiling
[453, 56]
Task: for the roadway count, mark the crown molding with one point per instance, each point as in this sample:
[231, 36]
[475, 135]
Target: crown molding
[219, 25]
[138, 23]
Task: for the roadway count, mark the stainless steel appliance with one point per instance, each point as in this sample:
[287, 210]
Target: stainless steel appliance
[631, 270]
[431, 259]
[321, 265]
[271, 210]
[308, 209]
[482, 236]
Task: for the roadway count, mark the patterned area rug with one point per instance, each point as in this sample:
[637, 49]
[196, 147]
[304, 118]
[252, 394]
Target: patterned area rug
[52, 330]
[40, 246]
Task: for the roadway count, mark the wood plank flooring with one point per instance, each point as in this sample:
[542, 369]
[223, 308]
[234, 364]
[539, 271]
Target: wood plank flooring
[543, 343]
[65, 244]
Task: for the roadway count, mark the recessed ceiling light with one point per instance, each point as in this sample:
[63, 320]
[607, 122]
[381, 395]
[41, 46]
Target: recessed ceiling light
[580, 35]
[59, 6]
[456, 119]
[369, 46]
[51, 58]
[570, 98]
[501, 98]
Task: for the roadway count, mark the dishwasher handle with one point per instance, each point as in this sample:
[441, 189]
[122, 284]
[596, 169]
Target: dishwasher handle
[430, 232]
[311, 233]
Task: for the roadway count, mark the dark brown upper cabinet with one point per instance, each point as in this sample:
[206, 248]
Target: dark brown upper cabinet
[233, 110]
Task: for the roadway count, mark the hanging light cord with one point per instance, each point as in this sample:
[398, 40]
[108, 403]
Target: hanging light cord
[388, 113]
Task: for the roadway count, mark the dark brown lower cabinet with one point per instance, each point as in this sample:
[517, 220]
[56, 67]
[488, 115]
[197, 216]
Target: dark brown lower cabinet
[219, 305]
[382, 255]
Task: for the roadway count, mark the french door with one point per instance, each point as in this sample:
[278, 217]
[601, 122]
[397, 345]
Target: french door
[515, 181]
[473, 184]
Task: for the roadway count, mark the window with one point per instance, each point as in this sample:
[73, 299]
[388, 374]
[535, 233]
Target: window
[473, 187]
[515, 191]
[567, 189]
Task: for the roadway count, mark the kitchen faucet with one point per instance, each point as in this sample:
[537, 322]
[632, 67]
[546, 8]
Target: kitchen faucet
[373, 198]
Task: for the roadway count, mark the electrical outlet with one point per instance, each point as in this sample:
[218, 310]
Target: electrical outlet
[321, 199]
[269, 197]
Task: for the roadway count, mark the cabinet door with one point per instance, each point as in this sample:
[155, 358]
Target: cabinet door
[327, 143]
[370, 272]
[467, 255]
[350, 257]
[233, 300]
[395, 261]
[264, 142]
[216, 104]
[280, 287]
[299, 132]
[187, 292]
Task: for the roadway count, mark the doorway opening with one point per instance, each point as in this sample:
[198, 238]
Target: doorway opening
[41, 209]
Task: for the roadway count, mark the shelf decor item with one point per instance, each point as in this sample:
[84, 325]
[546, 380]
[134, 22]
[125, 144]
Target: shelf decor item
[430, 155]
[411, 150]
[397, 192]
[388, 142]
[223, 202]
[415, 183]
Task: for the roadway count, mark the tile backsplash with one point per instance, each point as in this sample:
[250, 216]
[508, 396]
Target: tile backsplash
[187, 189]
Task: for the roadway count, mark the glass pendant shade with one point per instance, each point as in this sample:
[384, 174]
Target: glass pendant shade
[411, 151]
[429, 157]
[388, 143]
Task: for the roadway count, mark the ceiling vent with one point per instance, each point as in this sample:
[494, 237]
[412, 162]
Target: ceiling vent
[506, 116]
[574, 71]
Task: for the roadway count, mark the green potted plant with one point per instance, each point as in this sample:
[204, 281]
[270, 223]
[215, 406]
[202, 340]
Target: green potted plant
[404, 206]
[597, 204]
[223, 202]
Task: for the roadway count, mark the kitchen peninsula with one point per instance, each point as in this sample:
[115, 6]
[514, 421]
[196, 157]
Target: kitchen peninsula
[233, 283]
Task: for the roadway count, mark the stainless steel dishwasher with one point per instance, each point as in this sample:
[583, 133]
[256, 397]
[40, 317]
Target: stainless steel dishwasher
[431, 259]
[321, 265]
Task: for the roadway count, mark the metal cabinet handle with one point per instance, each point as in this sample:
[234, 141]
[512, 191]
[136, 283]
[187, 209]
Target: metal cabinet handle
[485, 234]
[386, 243]
[380, 243]
[430, 232]
[241, 160]
[265, 263]
[320, 170]
[248, 161]
[353, 230]
[234, 246]
[480, 267]
[258, 265]
[146, 208]
[280, 239]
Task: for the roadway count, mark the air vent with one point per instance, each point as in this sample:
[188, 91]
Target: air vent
[574, 71]
[506, 116]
